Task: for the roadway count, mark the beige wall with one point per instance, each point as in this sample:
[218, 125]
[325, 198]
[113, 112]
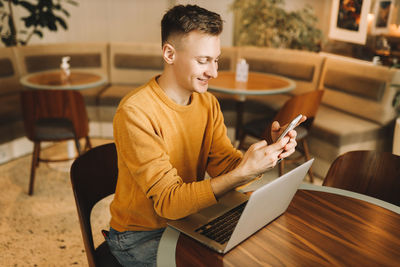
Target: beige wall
[139, 20]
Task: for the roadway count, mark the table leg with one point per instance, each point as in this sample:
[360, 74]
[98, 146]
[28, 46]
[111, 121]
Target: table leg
[239, 119]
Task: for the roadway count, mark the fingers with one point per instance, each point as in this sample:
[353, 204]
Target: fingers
[303, 119]
[289, 149]
[292, 134]
[258, 145]
[277, 148]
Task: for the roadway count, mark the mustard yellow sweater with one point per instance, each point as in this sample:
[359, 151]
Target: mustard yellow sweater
[164, 150]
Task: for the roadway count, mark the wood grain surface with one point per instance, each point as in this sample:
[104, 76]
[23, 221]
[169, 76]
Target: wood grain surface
[55, 78]
[318, 229]
[256, 81]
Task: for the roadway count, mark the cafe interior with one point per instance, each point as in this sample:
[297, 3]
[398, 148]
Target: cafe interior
[63, 73]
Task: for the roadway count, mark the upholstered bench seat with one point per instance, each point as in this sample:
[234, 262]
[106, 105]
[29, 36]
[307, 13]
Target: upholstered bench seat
[109, 100]
[11, 124]
[335, 132]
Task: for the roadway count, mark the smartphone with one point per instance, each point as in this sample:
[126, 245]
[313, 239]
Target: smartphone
[290, 127]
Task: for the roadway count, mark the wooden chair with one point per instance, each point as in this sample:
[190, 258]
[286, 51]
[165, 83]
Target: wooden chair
[306, 104]
[53, 115]
[94, 177]
[372, 173]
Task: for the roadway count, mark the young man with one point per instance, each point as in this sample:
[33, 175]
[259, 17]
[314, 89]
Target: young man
[169, 133]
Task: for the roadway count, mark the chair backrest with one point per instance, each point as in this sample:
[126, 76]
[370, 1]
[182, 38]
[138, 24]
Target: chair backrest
[376, 174]
[93, 177]
[39, 104]
[306, 104]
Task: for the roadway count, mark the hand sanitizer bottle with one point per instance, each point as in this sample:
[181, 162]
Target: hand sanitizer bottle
[242, 70]
[65, 68]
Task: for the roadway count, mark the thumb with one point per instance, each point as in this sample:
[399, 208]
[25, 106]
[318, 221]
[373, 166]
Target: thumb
[275, 126]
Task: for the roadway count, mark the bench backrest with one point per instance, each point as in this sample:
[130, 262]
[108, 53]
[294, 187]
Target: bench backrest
[86, 56]
[359, 88]
[9, 71]
[301, 66]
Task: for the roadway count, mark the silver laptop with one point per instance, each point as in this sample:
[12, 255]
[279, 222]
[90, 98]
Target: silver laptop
[237, 216]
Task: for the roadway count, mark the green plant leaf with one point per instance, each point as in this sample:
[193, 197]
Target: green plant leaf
[31, 8]
[62, 22]
[29, 21]
[65, 12]
[72, 2]
[38, 33]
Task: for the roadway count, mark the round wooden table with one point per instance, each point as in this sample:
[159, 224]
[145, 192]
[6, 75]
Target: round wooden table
[257, 84]
[323, 226]
[52, 80]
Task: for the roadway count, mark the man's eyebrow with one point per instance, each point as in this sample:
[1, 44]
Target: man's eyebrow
[208, 57]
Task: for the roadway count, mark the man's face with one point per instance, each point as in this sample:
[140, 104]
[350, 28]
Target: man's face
[196, 61]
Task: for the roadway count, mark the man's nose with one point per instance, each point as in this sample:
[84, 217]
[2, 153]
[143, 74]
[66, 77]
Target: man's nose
[213, 70]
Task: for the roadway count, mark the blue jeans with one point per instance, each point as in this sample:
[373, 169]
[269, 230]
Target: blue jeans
[135, 248]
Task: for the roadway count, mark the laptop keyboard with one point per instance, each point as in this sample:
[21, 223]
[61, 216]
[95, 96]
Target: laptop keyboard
[221, 228]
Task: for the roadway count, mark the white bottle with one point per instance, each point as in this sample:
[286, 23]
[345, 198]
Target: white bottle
[242, 70]
[65, 68]
[376, 60]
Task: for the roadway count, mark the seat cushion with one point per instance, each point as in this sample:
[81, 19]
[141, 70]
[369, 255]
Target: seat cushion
[340, 128]
[335, 132]
[113, 94]
[53, 129]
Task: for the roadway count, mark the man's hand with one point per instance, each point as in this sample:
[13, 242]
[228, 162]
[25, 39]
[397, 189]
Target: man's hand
[258, 159]
[290, 146]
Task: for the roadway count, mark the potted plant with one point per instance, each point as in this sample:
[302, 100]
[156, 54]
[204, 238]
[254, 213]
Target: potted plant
[267, 23]
[40, 14]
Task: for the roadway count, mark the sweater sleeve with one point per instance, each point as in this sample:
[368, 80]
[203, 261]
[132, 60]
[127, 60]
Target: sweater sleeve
[223, 157]
[143, 152]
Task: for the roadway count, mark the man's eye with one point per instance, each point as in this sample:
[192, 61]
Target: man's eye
[202, 61]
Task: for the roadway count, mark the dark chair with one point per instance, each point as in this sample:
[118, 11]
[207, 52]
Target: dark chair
[53, 115]
[372, 173]
[306, 104]
[94, 177]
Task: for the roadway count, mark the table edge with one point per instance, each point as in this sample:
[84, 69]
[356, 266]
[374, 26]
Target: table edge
[24, 81]
[169, 239]
[286, 89]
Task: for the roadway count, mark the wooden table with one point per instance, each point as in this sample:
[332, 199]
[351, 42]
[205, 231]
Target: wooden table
[322, 226]
[257, 84]
[52, 80]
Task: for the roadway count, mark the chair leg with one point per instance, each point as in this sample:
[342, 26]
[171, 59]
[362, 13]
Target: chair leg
[38, 157]
[307, 156]
[78, 146]
[281, 167]
[35, 163]
[88, 144]
[241, 141]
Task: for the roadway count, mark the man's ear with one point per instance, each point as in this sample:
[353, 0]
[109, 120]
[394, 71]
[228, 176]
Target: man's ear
[168, 53]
